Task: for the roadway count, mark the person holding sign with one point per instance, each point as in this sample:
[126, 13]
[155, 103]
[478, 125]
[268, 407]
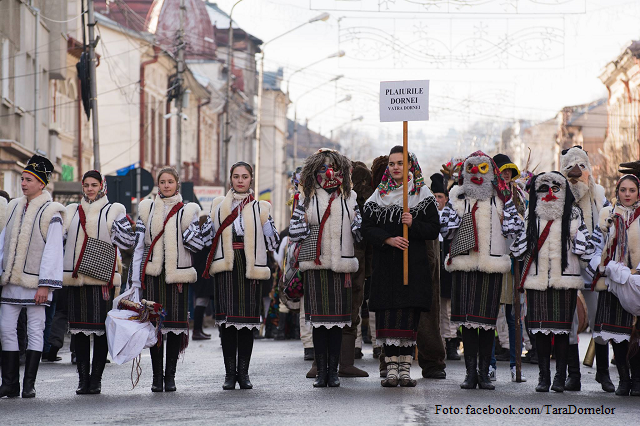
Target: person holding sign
[555, 241]
[326, 222]
[480, 218]
[398, 306]
[168, 232]
[95, 228]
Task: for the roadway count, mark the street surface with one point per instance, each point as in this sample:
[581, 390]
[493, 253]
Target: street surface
[283, 396]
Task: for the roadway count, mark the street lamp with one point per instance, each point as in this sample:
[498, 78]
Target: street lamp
[338, 54]
[345, 99]
[344, 124]
[322, 17]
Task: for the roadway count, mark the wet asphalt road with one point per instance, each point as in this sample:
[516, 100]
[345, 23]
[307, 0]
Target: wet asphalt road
[283, 396]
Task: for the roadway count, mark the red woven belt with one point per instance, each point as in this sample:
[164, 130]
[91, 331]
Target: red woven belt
[238, 246]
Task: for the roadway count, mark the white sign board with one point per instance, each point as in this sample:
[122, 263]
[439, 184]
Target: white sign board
[404, 100]
[206, 194]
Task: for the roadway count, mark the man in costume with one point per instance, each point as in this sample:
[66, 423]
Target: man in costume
[590, 197]
[31, 257]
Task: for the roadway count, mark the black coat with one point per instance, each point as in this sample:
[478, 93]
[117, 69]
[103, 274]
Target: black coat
[387, 288]
[204, 287]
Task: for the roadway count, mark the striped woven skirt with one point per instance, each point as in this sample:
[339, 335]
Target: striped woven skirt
[237, 298]
[397, 327]
[174, 299]
[612, 321]
[551, 311]
[87, 309]
[327, 302]
[475, 299]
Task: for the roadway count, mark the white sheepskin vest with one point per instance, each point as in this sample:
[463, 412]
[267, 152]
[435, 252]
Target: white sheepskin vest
[493, 253]
[591, 208]
[254, 215]
[169, 252]
[100, 216]
[633, 241]
[337, 248]
[25, 238]
[547, 272]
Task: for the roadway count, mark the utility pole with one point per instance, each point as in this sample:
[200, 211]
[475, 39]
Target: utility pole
[179, 99]
[37, 77]
[93, 90]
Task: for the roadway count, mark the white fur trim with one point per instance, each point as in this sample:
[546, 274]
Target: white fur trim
[3, 213]
[222, 206]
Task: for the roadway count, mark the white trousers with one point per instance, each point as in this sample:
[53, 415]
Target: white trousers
[447, 328]
[372, 329]
[9, 327]
[305, 330]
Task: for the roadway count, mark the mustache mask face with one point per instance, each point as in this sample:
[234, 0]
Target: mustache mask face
[551, 190]
[478, 176]
[329, 178]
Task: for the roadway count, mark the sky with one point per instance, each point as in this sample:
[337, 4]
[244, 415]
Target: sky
[487, 60]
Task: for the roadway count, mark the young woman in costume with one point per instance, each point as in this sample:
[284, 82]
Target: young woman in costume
[398, 306]
[167, 232]
[240, 231]
[90, 297]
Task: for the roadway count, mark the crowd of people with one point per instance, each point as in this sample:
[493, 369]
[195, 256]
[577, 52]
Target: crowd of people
[483, 238]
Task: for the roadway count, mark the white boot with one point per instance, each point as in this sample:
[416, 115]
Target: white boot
[404, 362]
[391, 381]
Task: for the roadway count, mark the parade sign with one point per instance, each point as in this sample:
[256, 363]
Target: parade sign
[206, 194]
[404, 100]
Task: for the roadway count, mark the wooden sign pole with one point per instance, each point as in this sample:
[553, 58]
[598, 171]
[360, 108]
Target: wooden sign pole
[405, 194]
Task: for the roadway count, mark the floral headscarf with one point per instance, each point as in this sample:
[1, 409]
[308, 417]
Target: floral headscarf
[388, 183]
[103, 185]
[501, 187]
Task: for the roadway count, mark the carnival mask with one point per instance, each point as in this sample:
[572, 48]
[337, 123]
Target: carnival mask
[576, 168]
[329, 178]
[478, 176]
[551, 191]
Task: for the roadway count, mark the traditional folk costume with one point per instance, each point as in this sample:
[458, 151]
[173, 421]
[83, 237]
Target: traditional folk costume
[31, 255]
[239, 230]
[590, 197]
[327, 222]
[482, 215]
[167, 232]
[613, 323]
[398, 307]
[555, 241]
[94, 229]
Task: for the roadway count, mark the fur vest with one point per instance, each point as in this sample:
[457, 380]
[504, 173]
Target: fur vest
[547, 272]
[633, 242]
[493, 251]
[337, 250]
[254, 215]
[100, 216]
[173, 257]
[591, 209]
[3, 212]
[25, 238]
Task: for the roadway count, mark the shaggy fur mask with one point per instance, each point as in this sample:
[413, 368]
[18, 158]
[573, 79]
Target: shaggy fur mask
[550, 192]
[576, 167]
[478, 175]
[317, 165]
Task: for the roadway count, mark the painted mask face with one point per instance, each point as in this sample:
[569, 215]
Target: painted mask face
[575, 167]
[551, 191]
[478, 176]
[327, 177]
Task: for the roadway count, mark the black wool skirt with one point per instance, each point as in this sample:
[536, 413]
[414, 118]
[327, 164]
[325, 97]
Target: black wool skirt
[238, 299]
[612, 321]
[327, 299]
[174, 299]
[551, 310]
[398, 327]
[475, 298]
[88, 306]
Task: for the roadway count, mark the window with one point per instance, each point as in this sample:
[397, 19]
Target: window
[5, 69]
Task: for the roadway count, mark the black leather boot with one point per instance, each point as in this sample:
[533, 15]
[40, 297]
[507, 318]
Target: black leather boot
[483, 373]
[471, 379]
[321, 365]
[602, 368]
[84, 377]
[10, 374]
[573, 367]
[173, 353]
[243, 372]
[333, 380]
[230, 373]
[30, 373]
[452, 350]
[620, 352]
[561, 350]
[634, 364]
[543, 347]
[156, 364]
[97, 368]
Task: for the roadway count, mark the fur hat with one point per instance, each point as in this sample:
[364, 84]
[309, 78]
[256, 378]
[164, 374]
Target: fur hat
[504, 162]
[437, 184]
[40, 167]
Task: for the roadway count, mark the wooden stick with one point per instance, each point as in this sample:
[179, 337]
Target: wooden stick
[516, 305]
[405, 194]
